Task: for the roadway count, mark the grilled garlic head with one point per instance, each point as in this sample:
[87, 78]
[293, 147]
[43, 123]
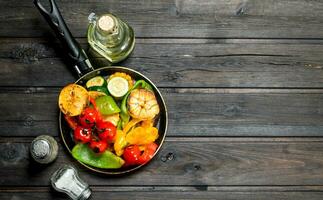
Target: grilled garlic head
[142, 104]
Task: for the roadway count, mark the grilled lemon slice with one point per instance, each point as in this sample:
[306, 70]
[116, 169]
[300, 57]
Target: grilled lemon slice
[72, 99]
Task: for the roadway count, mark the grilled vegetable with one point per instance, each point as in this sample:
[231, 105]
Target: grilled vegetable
[114, 118]
[120, 142]
[82, 134]
[131, 155]
[118, 86]
[106, 105]
[99, 89]
[106, 131]
[71, 121]
[147, 123]
[141, 136]
[124, 115]
[96, 81]
[134, 156]
[96, 94]
[148, 153]
[105, 160]
[142, 104]
[98, 146]
[123, 75]
[72, 99]
[88, 117]
[130, 124]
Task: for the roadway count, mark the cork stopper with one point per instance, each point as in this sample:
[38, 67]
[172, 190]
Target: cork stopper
[106, 23]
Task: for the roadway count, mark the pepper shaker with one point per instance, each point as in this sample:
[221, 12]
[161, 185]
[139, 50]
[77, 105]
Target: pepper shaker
[44, 149]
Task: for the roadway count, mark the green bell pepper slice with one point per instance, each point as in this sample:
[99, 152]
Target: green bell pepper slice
[105, 160]
[106, 105]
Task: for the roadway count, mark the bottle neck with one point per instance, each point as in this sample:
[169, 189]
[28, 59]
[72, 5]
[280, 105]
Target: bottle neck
[108, 30]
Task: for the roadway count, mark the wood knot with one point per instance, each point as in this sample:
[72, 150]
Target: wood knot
[196, 167]
[28, 121]
[11, 153]
[168, 157]
[192, 167]
[232, 110]
[173, 76]
[27, 53]
[241, 9]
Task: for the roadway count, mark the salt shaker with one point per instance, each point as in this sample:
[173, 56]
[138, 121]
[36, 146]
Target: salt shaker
[44, 149]
[66, 180]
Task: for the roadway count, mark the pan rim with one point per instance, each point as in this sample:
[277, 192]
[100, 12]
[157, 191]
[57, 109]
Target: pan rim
[162, 139]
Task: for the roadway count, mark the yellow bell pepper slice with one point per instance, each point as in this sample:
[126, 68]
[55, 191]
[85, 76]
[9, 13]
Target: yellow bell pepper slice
[141, 135]
[120, 142]
[130, 124]
[147, 123]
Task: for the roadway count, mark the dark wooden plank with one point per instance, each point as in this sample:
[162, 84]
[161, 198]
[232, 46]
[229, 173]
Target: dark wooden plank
[178, 193]
[178, 63]
[192, 112]
[178, 18]
[198, 162]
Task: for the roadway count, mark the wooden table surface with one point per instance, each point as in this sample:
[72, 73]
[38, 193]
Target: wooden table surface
[242, 79]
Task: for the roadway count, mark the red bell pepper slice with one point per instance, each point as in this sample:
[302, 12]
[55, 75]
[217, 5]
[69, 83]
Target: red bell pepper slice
[133, 155]
[92, 101]
[71, 121]
[148, 153]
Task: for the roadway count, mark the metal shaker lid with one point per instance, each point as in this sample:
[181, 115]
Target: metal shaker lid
[40, 148]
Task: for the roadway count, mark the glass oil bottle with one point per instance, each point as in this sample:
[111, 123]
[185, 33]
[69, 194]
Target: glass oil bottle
[111, 37]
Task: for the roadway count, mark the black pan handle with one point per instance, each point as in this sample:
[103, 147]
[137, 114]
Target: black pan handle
[77, 55]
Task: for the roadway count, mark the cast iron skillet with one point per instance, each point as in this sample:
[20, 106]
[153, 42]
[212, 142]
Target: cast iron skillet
[85, 71]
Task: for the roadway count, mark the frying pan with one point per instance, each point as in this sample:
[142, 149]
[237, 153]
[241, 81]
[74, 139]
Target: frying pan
[85, 71]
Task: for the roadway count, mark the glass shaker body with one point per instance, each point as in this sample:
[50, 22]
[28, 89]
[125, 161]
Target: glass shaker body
[66, 180]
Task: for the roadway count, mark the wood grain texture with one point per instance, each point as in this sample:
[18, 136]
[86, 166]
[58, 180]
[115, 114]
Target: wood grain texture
[242, 80]
[192, 162]
[174, 192]
[192, 112]
[177, 63]
[178, 18]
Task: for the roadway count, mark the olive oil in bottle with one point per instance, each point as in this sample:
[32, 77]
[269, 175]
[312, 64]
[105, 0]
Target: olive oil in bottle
[111, 37]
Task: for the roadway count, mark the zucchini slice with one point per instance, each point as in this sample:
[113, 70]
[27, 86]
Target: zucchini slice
[96, 81]
[118, 86]
[99, 89]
